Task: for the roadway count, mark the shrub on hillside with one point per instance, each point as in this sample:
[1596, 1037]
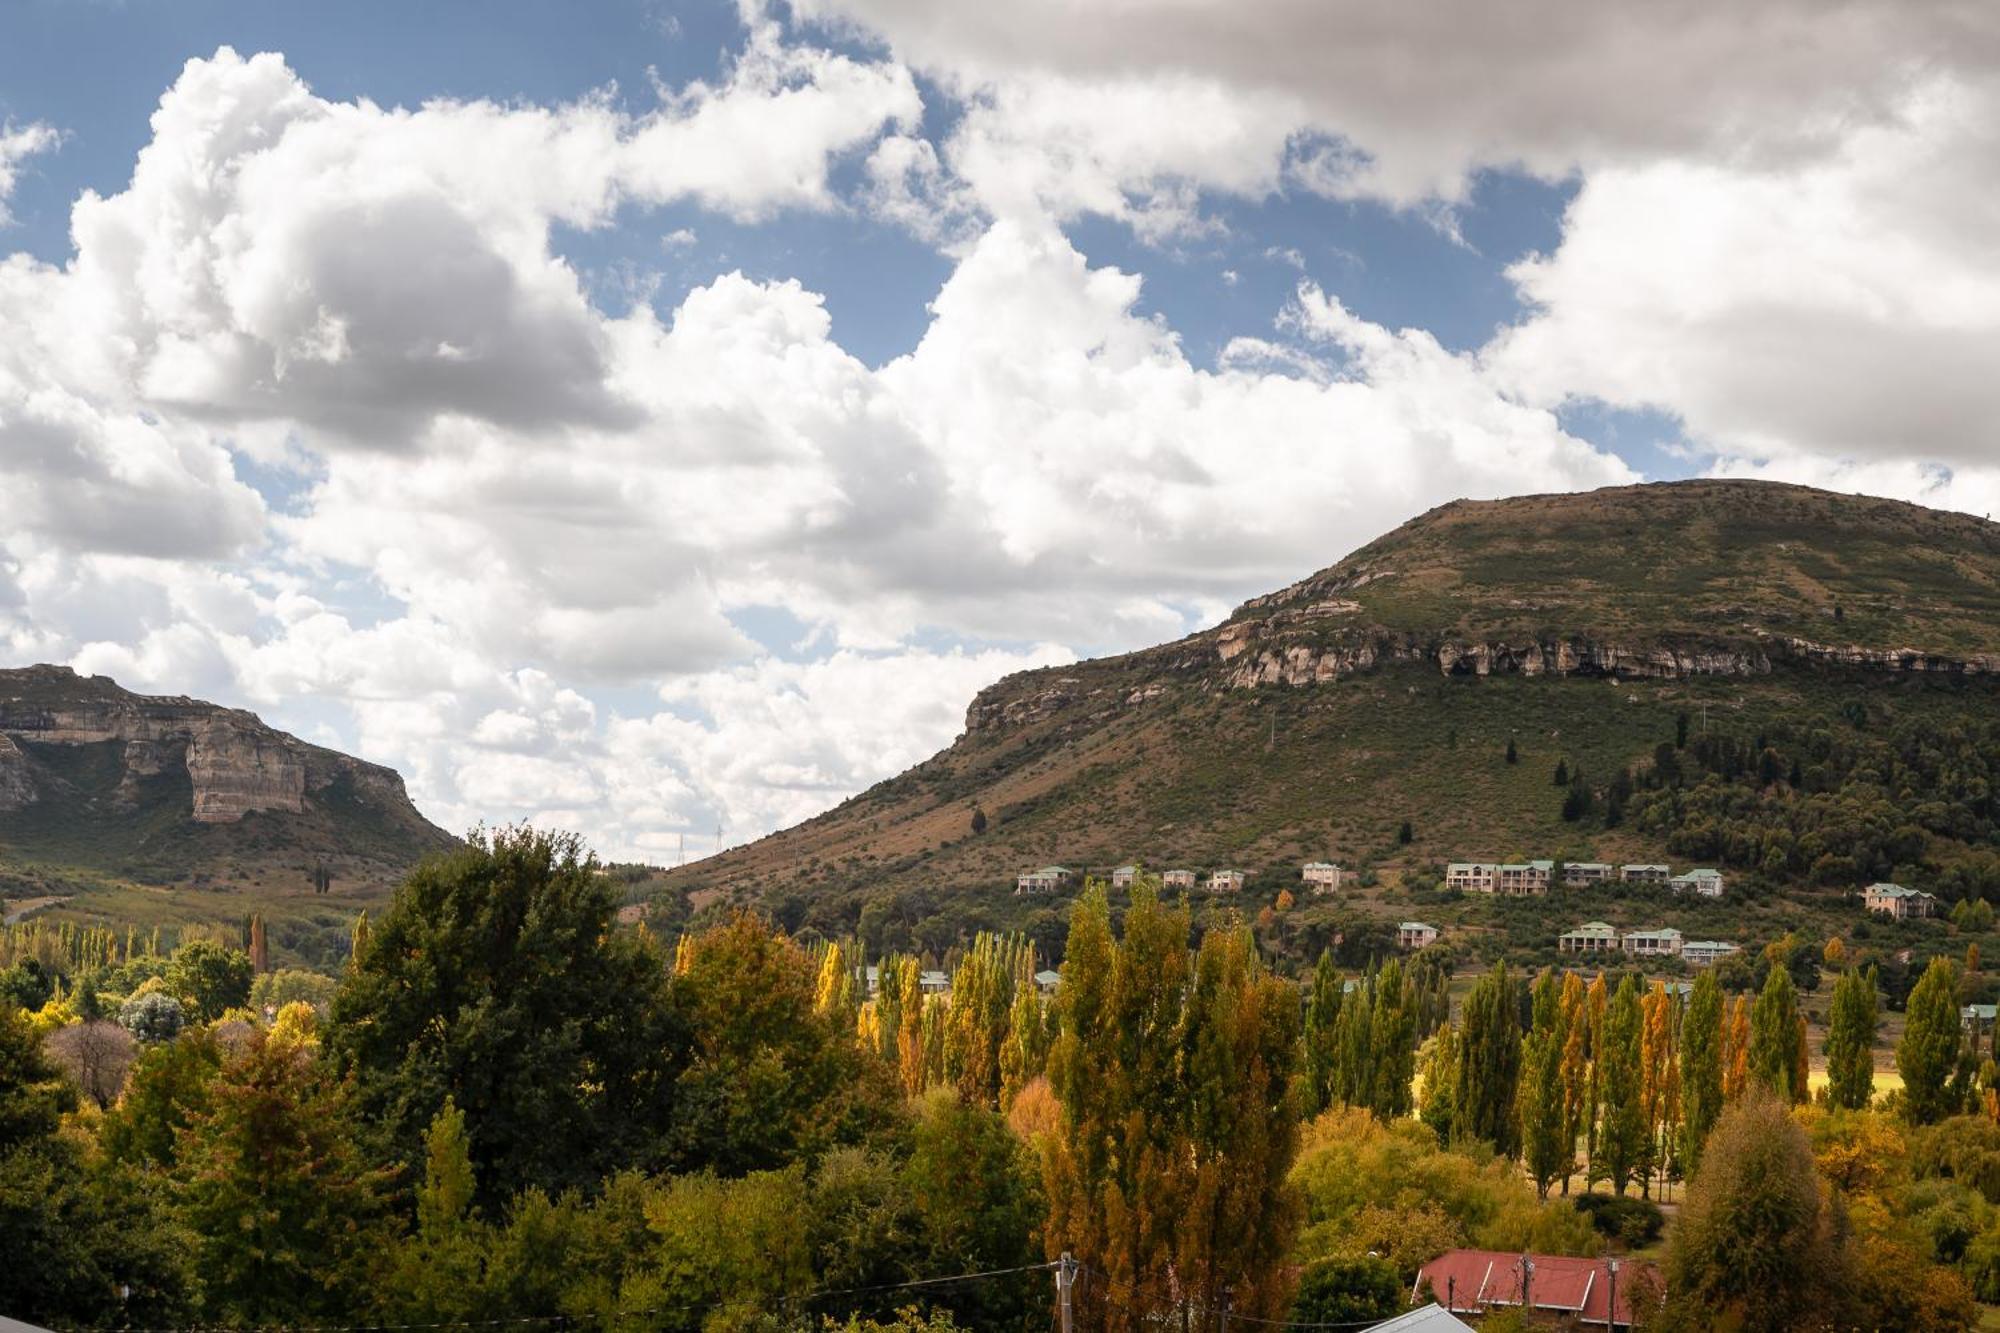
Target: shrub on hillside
[1632, 1222]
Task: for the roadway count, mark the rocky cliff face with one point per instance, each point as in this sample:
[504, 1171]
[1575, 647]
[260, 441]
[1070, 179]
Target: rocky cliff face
[235, 764]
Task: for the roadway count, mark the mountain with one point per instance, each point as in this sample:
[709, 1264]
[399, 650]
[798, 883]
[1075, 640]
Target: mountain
[101, 788]
[1585, 628]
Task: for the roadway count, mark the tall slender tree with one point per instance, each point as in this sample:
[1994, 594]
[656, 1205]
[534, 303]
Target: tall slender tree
[1320, 1041]
[1575, 1062]
[1928, 1054]
[1850, 1041]
[1660, 1084]
[1622, 1137]
[1701, 1067]
[1548, 1154]
[1489, 1063]
[1392, 1038]
[1774, 1024]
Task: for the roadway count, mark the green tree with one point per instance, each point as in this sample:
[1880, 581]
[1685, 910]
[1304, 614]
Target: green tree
[978, 1200]
[1320, 1042]
[167, 1089]
[1348, 1291]
[1928, 1054]
[1701, 1066]
[209, 980]
[1513, 755]
[1548, 1153]
[440, 1271]
[1489, 1063]
[1439, 1105]
[291, 1219]
[1774, 1025]
[1621, 1139]
[496, 977]
[1850, 1041]
[1392, 1040]
[770, 1079]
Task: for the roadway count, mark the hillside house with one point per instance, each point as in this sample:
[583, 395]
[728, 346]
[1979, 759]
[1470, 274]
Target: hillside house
[1645, 874]
[1529, 877]
[1415, 934]
[1897, 901]
[934, 983]
[1660, 942]
[1046, 981]
[1321, 876]
[1122, 877]
[1045, 880]
[1705, 953]
[1590, 937]
[1978, 1018]
[1470, 876]
[1579, 1292]
[1226, 881]
[1177, 879]
[1585, 874]
[1703, 883]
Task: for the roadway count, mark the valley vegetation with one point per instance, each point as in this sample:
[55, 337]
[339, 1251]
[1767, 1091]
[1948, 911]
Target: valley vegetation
[509, 1107]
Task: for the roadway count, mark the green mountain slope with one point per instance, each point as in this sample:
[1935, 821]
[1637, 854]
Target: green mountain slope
[1315, 721]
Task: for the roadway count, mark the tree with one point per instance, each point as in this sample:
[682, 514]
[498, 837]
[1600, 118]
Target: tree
[291, 1220]
[1548, 1154]
[496, 977]
[770, 1079]
[1850, 1041]
[1348, 1291]
[167, 1089]
[1754, 1248]
[95, 1055]
[1489, 1063]
[1406, 833]
[1562, 773]
[1622, 1137]
[1575, 1064]
[1774, 1026]
[978, 820]
[1513, 755]
[1167, 1170]
[1319, 1042]
[1392, 1039]
[1928, 1053]
[978, 1198]
[1660, 1084]
[1701, 1067]
[209, 980]
[153, 1017]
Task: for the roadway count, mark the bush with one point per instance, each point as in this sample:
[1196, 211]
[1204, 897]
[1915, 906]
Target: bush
[1632, 1222]
[153, 1017]
[1347, 1291]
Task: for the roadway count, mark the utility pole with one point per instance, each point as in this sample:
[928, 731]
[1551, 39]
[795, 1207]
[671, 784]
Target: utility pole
[1228, 1304]
[1065, 1283]
[1611, 1302]
[1527, 1279]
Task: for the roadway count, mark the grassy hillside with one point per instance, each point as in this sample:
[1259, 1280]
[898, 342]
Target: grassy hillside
[1166, 757]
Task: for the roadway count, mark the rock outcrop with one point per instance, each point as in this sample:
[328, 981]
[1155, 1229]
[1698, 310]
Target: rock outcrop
[235, 764]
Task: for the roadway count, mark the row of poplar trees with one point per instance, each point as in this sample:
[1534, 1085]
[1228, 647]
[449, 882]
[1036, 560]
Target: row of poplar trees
[1626, 1082]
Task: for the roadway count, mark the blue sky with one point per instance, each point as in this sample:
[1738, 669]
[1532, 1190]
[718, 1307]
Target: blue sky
[638, 415]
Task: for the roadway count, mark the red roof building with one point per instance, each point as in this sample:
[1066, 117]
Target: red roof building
[1473, 1281]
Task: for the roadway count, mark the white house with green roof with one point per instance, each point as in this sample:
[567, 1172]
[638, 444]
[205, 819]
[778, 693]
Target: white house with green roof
[1590, 937]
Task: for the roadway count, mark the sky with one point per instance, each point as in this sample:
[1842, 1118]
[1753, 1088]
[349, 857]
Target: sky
[658, 420]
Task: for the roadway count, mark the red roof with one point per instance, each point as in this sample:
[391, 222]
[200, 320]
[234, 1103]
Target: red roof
[1468, 1281]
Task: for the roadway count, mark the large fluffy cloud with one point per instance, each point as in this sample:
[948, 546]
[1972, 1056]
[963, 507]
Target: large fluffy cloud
[1844, 310]
[1422, 93]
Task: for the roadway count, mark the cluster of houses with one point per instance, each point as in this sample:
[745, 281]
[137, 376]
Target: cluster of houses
[1532, 877]
[1650, 942]
[1319, 876]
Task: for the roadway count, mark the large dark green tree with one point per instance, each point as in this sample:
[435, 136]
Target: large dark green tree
[1319, 1053]
[1547, 1147]
[496, 978]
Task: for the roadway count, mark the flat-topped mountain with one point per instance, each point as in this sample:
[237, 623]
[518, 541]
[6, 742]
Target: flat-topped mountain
[1316, 719]
[171, 790]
